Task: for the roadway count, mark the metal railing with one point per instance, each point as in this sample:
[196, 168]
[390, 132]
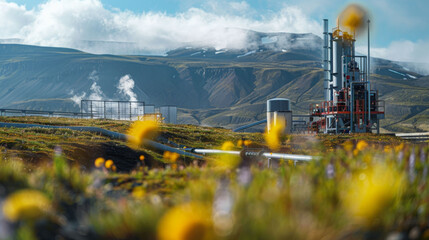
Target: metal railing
[24, 112]
[119, 110]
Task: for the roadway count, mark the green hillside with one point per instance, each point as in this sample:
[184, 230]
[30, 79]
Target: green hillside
[225, 89]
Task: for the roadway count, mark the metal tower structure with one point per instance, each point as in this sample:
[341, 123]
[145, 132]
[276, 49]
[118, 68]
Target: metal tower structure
[350, 106]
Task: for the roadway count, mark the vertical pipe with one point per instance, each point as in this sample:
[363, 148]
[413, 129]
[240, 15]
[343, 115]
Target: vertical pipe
[326, 59]
[331, 64]
[368, 77]
[92, 114]
[369, 56]
[327, 73]
[351, 107]
[378, 126]
[104, 110]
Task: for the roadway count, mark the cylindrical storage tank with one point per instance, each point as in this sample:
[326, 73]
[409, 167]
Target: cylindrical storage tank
[169, 114]
[149, 109]
[337, 64]
[279, 108]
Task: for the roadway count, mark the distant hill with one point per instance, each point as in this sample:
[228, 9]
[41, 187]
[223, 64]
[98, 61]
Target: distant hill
[220, 87]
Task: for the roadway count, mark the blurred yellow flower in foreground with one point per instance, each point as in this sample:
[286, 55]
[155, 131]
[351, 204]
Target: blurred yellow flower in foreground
[372, 191]
[26, 204]
[361, 145]
[228, 145]
[399, 147]
[108, 164]
[171, 156]
[99, 162]
[348, 146]
[138, 192]
[227, 161]
[387, 149]
[141, 130]
[190, 221]
[273, 138]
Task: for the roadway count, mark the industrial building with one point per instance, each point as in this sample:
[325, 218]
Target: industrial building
[127, 110]
[350, 105]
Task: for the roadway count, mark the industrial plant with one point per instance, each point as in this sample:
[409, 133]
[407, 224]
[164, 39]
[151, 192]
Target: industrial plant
[350, 105]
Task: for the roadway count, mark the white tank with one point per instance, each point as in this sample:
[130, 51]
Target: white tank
[279, 108]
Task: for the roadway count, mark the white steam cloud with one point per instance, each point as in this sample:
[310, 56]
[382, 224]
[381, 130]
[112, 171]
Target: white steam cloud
[95, 91]
[77, 98]
[76, 23]
[126, 86]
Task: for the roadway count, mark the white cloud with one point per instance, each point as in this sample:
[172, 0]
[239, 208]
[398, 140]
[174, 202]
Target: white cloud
[66, 23]
[13, 19]
[406, 51]
[414, 55]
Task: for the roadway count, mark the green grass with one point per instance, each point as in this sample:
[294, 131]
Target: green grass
[303, 201]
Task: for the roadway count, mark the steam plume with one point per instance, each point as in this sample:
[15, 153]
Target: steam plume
[126, 86]
[95, 91]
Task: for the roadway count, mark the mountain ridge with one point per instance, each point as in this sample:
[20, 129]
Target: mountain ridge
[220, 89]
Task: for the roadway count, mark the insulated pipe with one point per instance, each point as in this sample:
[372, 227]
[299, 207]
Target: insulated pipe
[294, 157]
[159, 146]
[250, 125]
[111, 134]
[215, 151]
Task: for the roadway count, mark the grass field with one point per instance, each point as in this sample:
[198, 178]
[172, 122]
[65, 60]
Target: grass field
[64, 184]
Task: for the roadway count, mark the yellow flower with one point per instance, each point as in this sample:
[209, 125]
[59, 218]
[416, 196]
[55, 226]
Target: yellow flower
[99, 162]
[273, 138]
[399, 147]
[227, 161]
[240, 143]
[141, 130]
[228, 145]
[141, 158]
[190, 221]
[348, 146]
[387, 149]
[108, 164]
[26, 204]
[138, 192]
[371, 192]
[361, 145]
[247, 143]
[171, 156]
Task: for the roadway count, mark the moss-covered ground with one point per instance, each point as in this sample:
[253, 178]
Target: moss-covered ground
[362, 186]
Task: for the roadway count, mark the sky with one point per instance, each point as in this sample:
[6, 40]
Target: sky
[399, 27]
